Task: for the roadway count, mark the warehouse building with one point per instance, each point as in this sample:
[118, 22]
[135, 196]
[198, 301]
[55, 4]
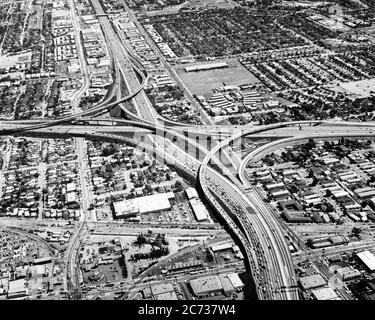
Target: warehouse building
[17, 289]
[227, 284]
[206, 285]
[348, 273]
[325, 294]
[166, 296]
[209, 66]
[199, 210]
[43, 260]
[191, 193]
[222, 246]
[125, 209]
[161, 288]
[367, 259]
[313, 281]
[132, 207]
[236, 281]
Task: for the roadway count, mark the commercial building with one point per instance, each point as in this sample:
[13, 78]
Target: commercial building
[227, 284]
[313, 281]
[125, 209]
[43, 260]
[71, 197]
[222, 246]
[183, 266]
[296, 217]
[191, 193]
[199, 210]
[17, 289]
[367, 259]
[235, 280]
[275, 186]
[166, 296]
[208, 66]
[347, 273]
[205, 285]
[132, 207]
[154, 203]
[161, 288]
[325, 294]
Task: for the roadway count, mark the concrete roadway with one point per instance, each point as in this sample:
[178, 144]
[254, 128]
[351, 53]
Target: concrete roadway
[282, 250]
[278, 265]
[81, 57]
[261, 151]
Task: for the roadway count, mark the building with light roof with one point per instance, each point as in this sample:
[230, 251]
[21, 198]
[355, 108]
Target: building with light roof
[368, 259]
[206, 285]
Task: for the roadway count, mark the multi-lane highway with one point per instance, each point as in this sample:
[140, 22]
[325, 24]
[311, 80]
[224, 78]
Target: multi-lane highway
[240, 207]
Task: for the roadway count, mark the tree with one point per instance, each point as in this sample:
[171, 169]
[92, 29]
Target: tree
[178, 185]
[328, 193]
[309, 242]
[356, 232]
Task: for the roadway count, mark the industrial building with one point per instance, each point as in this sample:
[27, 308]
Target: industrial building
[325, 294]
[132, 207]
[163, 291]
[228, 288]
[167, 296]
[348, 273]
[222, 246]
[125, 209]
[199, 210]
[206, 285]
[17, 289]
[313, 281]
[191, 193]
[209, 66]
[235, 280]
[43, 260]
[368, 259]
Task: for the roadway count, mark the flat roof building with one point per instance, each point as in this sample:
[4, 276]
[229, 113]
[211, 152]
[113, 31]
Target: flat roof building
[199, 210]
[166, 296]
[16, 289]
[367, 259]
[153, 203]
[43, 260]
[223, 246]
[204, 285]
[208, 66]
[158, 289]
[235, 280]
[131, 207]
[191, 193]
[125, 209]
[348, 273]
[313, 281]
[227, 284]
[325, 294]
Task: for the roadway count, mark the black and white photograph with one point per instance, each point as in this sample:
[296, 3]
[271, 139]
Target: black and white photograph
[187, 157]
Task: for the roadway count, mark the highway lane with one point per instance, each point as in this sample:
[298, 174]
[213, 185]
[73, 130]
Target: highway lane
[172, 73]
[86, 79]
[261, 151]
[277, 260]
[265, 213]
[334, 250]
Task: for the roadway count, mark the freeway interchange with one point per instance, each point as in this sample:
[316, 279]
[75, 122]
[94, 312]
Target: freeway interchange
[221, 178]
